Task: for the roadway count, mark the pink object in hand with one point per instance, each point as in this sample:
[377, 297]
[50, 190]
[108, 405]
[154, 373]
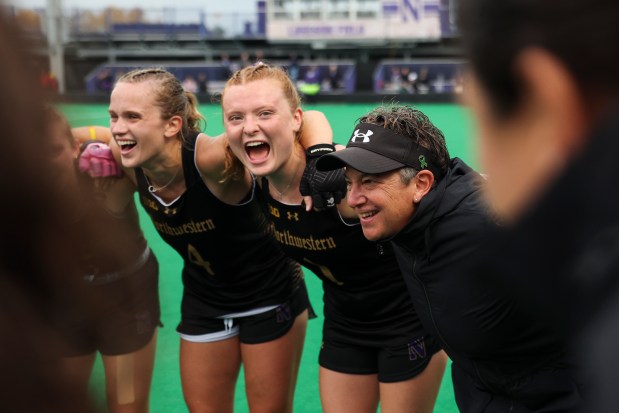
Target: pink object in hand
[98, 161]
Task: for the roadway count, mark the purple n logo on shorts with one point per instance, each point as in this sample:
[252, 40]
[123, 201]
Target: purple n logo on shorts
[417, 349]
[283, 313]
[143, 322]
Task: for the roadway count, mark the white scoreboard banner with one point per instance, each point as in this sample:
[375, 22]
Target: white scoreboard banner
[393, 19]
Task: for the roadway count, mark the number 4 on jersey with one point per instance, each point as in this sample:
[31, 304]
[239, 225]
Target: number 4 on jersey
[196, 259]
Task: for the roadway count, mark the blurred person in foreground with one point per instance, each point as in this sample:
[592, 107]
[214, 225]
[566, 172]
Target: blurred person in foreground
[544, 91]
[36, 262]
[407, 190]
[120, 312]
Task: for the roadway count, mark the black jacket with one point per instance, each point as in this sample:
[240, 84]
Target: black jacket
[492, 334]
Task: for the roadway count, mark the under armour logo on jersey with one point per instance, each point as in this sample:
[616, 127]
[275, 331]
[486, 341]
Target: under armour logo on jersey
[292, 216]
[365, 136]
[170, 211]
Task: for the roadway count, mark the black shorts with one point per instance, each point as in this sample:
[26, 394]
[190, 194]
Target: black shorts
[253, 329]
[122, 320]
[391, 363]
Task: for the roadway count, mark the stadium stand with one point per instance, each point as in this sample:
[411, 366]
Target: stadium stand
[421, 76]
[157, 31]
[330, 76]
[356, 60]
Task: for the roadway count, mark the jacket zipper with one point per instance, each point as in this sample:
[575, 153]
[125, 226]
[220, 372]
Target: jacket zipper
[425, 293]
[440, 336]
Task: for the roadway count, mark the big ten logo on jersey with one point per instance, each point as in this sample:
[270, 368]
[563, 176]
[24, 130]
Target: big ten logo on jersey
[274, 211]
[149, 203]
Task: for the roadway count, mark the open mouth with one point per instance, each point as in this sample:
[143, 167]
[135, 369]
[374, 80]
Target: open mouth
[257, 151]
[126, 145]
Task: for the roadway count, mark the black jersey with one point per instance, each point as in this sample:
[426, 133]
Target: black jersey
[364, 291]
[106, 243]
[232, 263]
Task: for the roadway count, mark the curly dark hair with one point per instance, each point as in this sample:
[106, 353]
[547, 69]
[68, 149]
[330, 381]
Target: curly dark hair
[410, 121]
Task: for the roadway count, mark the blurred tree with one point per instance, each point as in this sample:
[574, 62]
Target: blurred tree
[28, 20]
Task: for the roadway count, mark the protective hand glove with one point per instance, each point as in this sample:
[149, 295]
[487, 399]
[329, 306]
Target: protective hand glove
[97, 160]
[327, 188]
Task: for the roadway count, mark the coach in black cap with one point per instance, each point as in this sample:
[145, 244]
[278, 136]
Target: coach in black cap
[375, 149]
[406, 190]
[396, 142]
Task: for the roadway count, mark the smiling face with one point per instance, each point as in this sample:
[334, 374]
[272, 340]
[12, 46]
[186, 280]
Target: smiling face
[383, 203]
[136, 123]
[260, 125]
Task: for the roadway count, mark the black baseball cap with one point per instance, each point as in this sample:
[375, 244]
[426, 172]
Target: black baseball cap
[373, 149]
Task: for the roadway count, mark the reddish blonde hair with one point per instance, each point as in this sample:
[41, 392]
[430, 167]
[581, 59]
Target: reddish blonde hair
[259, 71]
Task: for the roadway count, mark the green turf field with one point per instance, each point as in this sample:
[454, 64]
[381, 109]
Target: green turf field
[166, 396]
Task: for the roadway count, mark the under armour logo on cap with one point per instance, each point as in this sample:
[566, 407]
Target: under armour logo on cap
[365, 136]
[386, 151]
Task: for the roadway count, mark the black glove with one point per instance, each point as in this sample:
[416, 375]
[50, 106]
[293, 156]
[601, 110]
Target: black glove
[327, 188]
